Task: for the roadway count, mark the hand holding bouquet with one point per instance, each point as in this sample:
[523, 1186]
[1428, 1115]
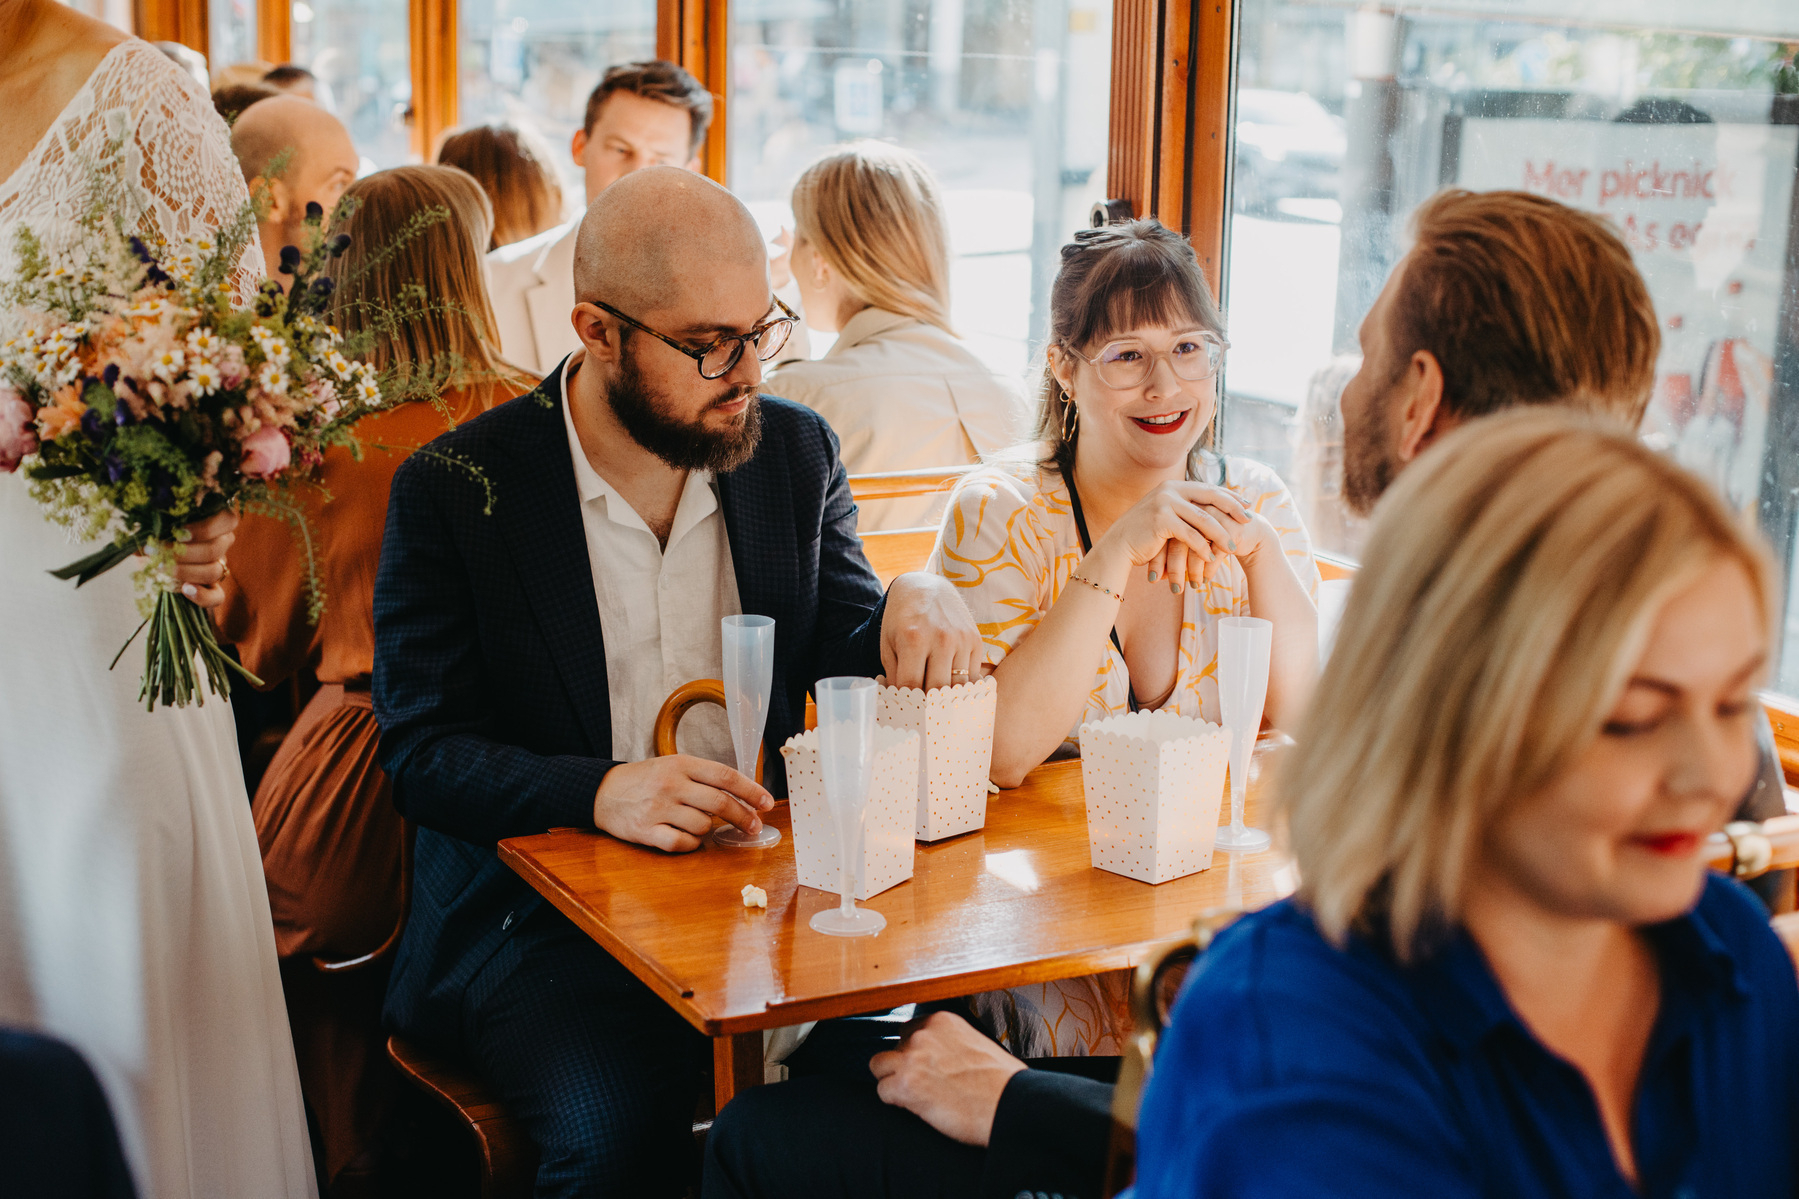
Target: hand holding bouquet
[139, 399]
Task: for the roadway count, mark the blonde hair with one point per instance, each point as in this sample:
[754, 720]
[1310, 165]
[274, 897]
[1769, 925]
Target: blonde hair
[1509, 582]
[515, 167]
[445, 259]
[874, 213]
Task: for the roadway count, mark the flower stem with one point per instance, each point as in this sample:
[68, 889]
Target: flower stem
[178, 631]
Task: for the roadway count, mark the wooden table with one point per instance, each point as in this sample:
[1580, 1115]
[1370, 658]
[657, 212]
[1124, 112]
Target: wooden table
[1018, 902]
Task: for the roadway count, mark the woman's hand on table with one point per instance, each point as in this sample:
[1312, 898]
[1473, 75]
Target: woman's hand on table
[928, 639]
[948, 1074]
[200, 557]
[669, 802]
[1182, 532]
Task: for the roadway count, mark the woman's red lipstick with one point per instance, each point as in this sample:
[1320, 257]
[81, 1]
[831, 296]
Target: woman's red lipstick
[1170, 427]
[1672, 845]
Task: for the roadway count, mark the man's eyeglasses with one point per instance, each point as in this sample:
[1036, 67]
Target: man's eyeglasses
[1128, 362]
[717, 359]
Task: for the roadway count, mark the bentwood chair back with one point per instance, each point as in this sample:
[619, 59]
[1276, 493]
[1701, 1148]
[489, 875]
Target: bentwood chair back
[682, 698]
[1153, 990]
[906, 484]
[895, 552]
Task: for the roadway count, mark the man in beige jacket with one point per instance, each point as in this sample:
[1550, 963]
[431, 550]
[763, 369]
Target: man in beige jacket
[641, 114]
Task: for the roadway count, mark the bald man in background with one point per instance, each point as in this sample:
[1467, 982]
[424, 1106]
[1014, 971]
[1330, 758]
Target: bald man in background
[298, 154]
[641, 494]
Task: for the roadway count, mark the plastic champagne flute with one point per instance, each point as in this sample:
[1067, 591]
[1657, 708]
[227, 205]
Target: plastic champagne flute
[846, 759]
[1244, 643]
[749, 670]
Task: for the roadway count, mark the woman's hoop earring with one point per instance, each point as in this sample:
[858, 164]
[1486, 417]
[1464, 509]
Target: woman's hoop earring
[1071, 418]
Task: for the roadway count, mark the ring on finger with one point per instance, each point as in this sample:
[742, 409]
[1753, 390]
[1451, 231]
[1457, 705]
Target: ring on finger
[224, 570]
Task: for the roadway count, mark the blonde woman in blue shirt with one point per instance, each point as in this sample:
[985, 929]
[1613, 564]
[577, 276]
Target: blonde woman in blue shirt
[1506, 971]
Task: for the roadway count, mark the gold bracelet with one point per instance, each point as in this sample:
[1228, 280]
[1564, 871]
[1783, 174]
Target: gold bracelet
[1096, 587]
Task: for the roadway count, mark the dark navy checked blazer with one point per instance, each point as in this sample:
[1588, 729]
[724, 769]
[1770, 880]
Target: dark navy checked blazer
[490, 663]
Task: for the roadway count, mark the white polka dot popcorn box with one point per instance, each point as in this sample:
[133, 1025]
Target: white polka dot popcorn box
[956, 724]
[887, 844]
[1153, 782]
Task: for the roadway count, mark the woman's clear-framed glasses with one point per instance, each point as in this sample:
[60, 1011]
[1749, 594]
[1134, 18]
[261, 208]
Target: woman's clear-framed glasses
[1127, 362]
[716, 359]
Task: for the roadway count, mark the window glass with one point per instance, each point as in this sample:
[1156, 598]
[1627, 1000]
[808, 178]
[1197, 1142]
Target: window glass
[1007, 100]
[359, 49]
[231, 32]
[533, 63]
[1679, 122]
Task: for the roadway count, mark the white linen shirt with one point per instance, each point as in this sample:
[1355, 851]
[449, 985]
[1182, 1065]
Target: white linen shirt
[660, 607]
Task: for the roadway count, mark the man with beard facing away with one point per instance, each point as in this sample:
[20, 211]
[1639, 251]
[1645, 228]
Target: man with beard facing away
[640, 494]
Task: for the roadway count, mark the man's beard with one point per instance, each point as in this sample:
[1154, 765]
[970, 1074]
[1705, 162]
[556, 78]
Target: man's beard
[684, 445]
[1369, 463]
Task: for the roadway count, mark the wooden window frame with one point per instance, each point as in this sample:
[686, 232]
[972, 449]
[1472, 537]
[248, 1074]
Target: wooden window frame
[1172, 99]
[1170, 124]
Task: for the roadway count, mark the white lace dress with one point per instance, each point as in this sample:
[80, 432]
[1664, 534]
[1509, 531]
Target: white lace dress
[134, 921]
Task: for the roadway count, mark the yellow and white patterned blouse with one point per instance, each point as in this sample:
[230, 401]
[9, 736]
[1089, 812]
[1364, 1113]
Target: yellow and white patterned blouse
[1010, 542]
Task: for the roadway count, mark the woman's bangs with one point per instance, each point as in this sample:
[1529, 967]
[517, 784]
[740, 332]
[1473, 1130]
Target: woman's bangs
[1149, 292]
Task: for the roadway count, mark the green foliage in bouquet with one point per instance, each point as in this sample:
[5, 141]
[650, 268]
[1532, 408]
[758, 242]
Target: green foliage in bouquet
[140, 394]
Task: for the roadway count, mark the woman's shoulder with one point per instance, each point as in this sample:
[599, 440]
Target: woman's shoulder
[1305, 1006]
[1293, 1067]
[136, 73]
[1732, 919]
[1011, 506]
[1010, 481]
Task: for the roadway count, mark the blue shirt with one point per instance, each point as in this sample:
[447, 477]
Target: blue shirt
[1291, 1068]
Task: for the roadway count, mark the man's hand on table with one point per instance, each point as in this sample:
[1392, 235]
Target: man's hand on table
[949, 1075]
[669, 802]
[928, 639]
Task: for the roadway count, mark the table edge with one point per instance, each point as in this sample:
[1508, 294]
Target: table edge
[1070, 964]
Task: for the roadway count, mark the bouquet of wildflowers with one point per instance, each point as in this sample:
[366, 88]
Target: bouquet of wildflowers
[138, 397]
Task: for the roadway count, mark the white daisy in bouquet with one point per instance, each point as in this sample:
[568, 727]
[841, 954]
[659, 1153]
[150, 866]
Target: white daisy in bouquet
[138, 397]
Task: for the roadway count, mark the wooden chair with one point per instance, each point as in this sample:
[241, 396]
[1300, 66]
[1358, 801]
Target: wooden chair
[1330, 567]
[688, 695]
[1153, 990]
[508, 1158]
[904, 484]
[894, 552]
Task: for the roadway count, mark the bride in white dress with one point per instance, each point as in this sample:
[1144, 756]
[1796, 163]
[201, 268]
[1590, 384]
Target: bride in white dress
[134, 922]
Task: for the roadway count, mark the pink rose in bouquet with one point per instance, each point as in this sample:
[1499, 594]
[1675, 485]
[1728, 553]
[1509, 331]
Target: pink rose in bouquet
[266, 452]
[18, 433]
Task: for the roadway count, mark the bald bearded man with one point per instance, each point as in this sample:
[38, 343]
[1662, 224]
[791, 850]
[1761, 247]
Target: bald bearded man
[524, 643]
[297, 154]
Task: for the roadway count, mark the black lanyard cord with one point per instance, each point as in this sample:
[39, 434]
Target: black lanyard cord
[1080, 524]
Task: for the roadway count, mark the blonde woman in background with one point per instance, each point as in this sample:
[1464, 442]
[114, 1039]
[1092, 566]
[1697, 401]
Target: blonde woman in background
[1507, 971]
[329, 833]
[871, 260]
[514, 166]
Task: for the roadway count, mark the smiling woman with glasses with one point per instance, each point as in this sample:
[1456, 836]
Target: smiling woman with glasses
[1098, 561]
